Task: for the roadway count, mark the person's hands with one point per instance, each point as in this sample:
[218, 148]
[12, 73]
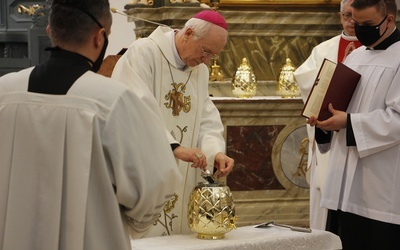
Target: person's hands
[334, 123]
[350, 47]
[191, 155]
[224, 164]
[312, 121]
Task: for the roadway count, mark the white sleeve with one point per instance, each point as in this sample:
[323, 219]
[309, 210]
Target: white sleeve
[146, 174]
[306, 73]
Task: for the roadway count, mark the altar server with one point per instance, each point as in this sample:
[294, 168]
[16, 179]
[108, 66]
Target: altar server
[171, 64]
[82, 160]
[362, 191]
[334, 49]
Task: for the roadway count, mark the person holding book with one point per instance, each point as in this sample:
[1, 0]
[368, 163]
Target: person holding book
[362, 193]
[335, 49]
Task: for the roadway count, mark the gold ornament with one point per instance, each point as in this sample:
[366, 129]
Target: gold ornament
[211, 211]
[30, 10]
[216, 74]
[287, 86]
[244, 84]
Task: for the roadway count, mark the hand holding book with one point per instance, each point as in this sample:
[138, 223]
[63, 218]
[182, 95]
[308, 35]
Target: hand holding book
[337, 121]
[335, 84]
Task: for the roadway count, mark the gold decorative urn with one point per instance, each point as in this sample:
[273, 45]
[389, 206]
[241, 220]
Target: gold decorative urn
[287, 86]
[211, 211]
[244, 84]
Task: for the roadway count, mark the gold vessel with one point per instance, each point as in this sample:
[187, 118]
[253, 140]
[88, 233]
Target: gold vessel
[287, 86]
[244, 84]
[211, 211]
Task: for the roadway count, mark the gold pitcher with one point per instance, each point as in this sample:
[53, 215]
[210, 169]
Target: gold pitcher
[211, 211]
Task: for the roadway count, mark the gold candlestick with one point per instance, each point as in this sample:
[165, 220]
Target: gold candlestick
[216, 74]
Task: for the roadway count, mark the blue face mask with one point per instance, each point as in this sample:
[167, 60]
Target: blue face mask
[368, 35]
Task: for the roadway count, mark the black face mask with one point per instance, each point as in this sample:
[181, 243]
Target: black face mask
[368, 35]
[96, 65]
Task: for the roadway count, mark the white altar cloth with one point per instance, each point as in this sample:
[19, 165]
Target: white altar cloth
[246, 238]
[254, 98]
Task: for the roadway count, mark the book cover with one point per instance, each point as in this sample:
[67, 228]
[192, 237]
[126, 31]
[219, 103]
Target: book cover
[335, 83]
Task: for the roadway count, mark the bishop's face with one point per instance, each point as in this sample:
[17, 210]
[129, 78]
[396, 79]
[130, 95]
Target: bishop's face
[196, 50]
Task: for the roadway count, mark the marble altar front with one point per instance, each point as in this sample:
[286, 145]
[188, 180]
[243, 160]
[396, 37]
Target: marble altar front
[267, 138]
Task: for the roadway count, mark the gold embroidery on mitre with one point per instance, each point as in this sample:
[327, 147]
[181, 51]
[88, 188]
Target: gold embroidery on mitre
[176, 100]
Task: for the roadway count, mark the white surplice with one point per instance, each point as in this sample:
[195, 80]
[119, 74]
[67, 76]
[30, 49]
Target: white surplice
[365, 179]
[197, 124]
[78, 171]
[305, 76]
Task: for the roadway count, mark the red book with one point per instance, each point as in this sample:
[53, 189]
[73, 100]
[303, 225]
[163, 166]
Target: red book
[335, 83]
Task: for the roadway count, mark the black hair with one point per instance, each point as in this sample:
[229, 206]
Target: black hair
[383, 6]
[72, 20]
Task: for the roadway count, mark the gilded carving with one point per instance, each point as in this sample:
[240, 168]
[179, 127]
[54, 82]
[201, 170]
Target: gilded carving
[30, 10]
[302, 167]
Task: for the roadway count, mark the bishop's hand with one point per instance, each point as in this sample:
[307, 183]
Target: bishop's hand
[193, 155]
[224, 164]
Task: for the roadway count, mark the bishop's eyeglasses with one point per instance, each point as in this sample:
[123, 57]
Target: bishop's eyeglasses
[347, 16]
[208, 53]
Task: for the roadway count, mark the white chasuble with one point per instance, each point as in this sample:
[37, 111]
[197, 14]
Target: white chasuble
[191, 118]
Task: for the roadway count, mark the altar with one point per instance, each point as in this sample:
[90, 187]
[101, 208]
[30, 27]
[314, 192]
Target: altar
[249, 238]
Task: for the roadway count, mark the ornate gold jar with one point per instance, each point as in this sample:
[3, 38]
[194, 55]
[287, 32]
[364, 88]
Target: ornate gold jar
[244, 84]
[287, 86]
[211, 211]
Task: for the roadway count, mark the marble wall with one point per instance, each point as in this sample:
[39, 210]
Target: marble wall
[265, 35]
[265, 38]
